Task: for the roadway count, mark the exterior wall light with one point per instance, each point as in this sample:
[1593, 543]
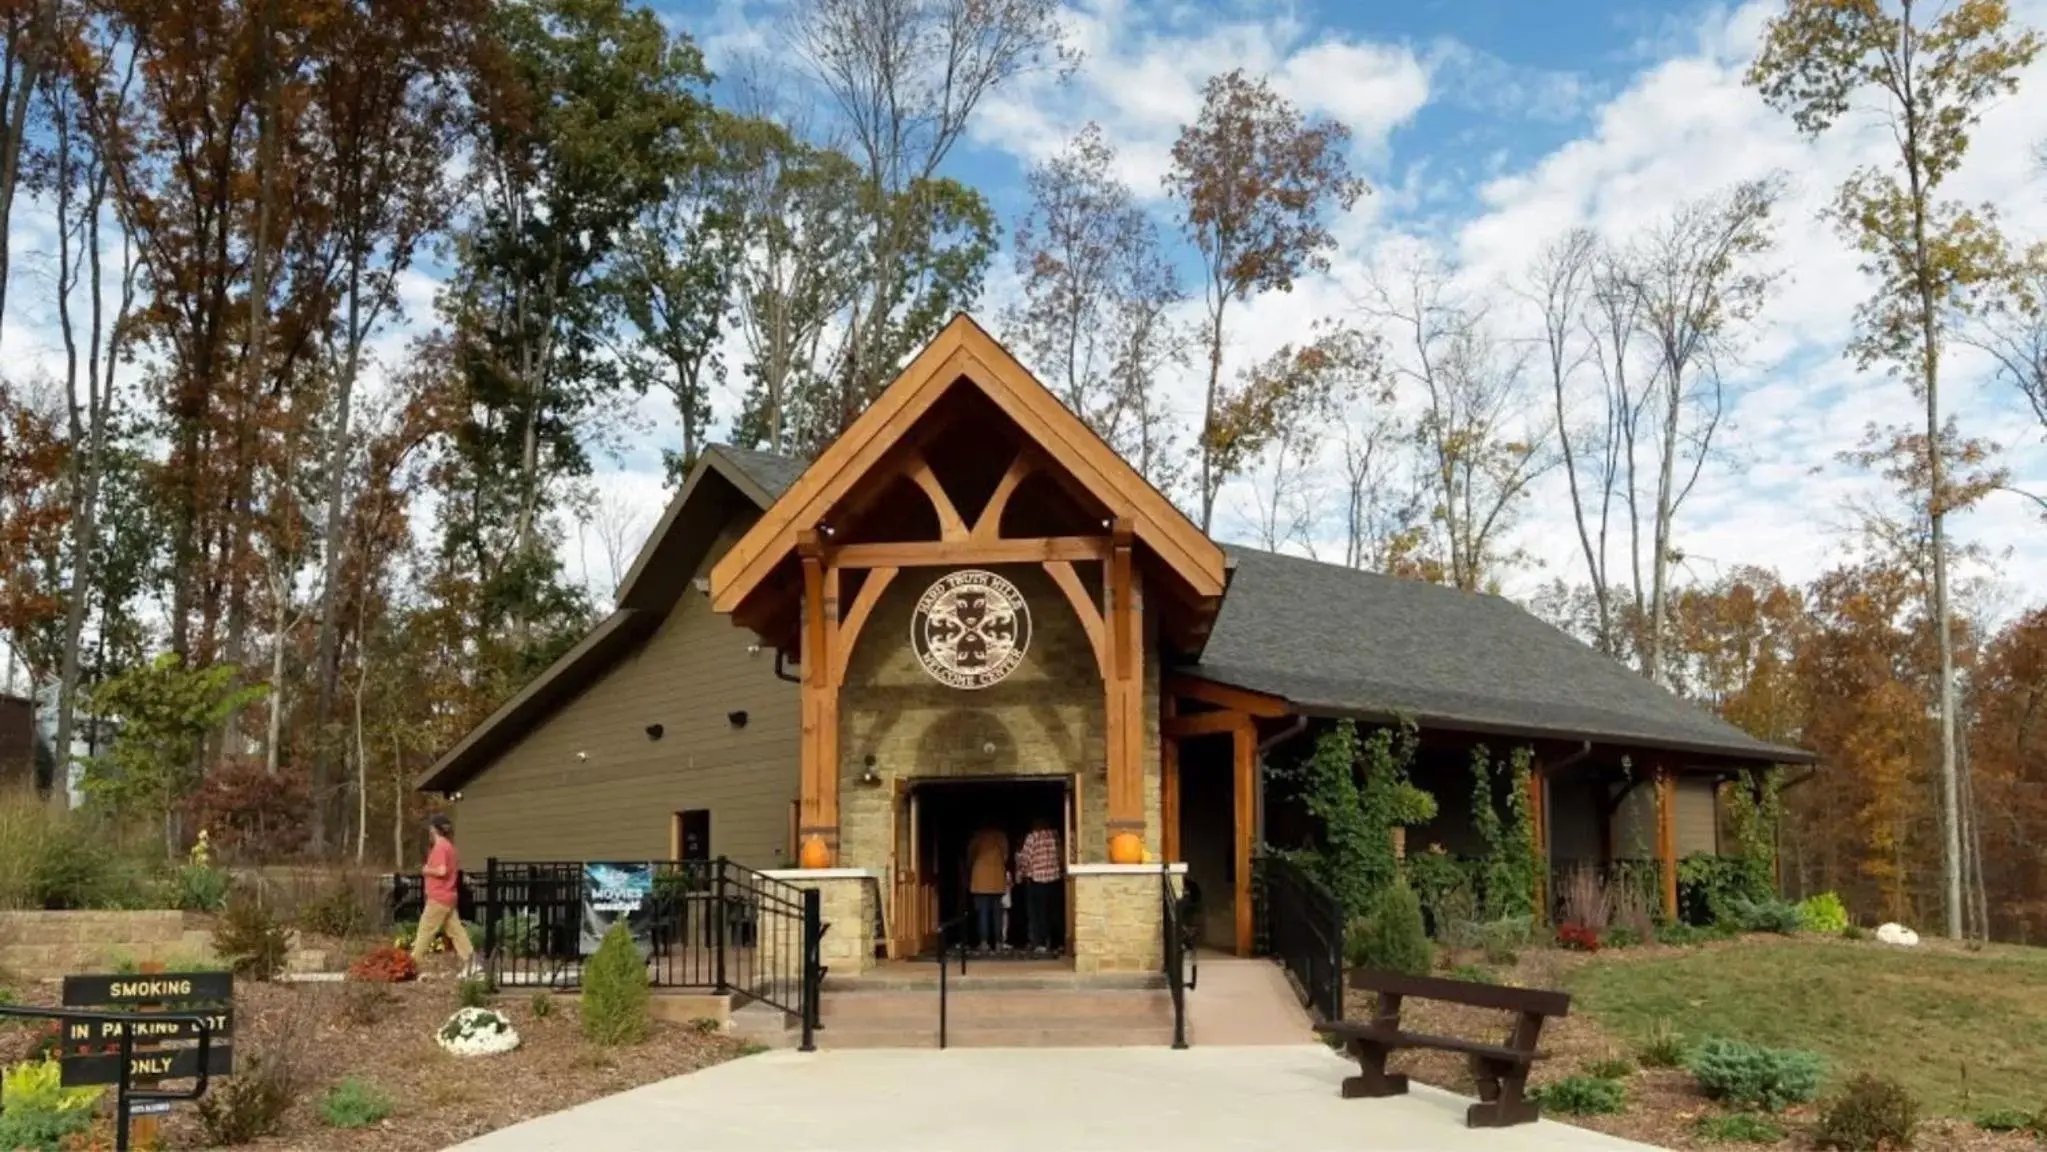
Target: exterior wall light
[869, 776]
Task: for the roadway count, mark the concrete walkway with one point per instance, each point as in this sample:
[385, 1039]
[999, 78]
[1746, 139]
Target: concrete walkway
[1243, 1001]
[1028, 1100]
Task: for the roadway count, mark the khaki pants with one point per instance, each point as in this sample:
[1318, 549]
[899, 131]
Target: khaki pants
[437, 918]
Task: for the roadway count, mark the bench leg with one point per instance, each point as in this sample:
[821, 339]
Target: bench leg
[1502, 1096]
[1372, 1080]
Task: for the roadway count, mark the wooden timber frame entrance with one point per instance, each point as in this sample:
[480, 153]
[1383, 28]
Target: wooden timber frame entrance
[927, 477]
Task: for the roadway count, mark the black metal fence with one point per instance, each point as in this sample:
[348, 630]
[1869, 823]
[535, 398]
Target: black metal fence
[1301, 924]
[710, 925]
[1174, 937]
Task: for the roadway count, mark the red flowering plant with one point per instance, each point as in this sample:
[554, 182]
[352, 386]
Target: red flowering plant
[1578, 937]
[386, 965]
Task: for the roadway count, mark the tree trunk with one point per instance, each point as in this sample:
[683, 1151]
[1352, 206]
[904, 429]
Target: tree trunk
[1215, 370]
[327, 649]
[1659, 563]
[15, 133]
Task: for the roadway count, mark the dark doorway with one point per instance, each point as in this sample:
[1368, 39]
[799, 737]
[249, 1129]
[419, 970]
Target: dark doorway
[952, 812]
[693, 834]
[1208, 792]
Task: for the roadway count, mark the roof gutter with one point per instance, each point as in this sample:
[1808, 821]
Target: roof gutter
[1584, 750]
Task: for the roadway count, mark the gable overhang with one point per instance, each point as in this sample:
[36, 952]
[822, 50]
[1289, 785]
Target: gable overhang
[965, 356]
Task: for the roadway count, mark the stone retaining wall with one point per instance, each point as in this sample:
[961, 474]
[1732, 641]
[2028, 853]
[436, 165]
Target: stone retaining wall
[846, 902]
[1116, 918]
[42, 945]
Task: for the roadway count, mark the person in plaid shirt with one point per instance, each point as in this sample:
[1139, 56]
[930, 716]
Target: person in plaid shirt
[1039, 867]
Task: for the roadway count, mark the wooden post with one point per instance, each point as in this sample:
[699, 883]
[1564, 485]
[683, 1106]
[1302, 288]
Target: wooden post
[1538, 820]
[1169, 784]
[1246, 749]
[818, 751]
[1124, 704]
[1666, 837]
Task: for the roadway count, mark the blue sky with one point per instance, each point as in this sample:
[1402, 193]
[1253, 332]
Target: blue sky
[1487, 127]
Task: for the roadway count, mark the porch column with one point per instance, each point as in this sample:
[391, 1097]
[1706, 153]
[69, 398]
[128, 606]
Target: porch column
[1123, 686]
[1245, 745]
[1169, 783]
[819, 750]
[1666, 836]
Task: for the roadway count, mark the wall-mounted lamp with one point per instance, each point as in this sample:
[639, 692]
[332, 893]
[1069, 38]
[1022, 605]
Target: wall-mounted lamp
[736, 719]
[869, 775]
[654, 731]
[582, 756]
[753, 649]
[702, 584]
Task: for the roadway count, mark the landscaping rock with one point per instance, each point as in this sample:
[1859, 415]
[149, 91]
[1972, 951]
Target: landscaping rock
[1897, 934]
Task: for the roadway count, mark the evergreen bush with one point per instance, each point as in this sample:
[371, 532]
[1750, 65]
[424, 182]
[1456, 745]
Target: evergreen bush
[250, 939]
[1870, 1113]
[1751, 1076]
[615, 996]
[1824, 914]
[1777, 916]
[1582, 1096]
[1392, 937]
[354, 1103]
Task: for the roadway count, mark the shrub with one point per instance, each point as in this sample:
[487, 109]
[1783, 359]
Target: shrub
[1582, 898]
[337, 911]
[1767, 916]
[1611, 1068]
[1690, 935]
[2012, 1120]
[1392, 937]
[1663, 1047]
[40, 1113]
[250, 814]
[1582, 1096]
[252, 1103]
[197, 888]
[1740, 1128]
[1444, 888]
[1708, 885]
[615, 991]
[1824, 913]
[1751, 1076]
[1854, 932]
[519, 933]
[472, 993]
[366, 1003]
[1870, 1113]
[1472, 973]
[1578, 937]
[71, 870]
[250, 938]
[386, 965]
[354, 1103]
[1622, 936]
[542, 1005]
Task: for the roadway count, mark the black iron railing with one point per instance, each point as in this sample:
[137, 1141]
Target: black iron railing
[944, 954]
[126, 1095]
[1177, 952]
[1302, 925]
[710, 925]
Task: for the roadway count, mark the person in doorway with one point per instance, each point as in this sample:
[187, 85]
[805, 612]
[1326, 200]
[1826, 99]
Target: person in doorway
[987, 882]
[443, 873]
[1039, 869]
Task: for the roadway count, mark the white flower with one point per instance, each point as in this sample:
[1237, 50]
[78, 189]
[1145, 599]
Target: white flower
[478, 1032]
[1897, 934]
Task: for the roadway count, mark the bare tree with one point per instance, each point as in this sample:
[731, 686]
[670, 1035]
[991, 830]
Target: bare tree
[1478, 459]
[1696, 278]
[1380, 510]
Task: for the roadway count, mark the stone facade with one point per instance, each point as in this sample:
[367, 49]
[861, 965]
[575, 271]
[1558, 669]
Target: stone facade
[1117, 921]
[846, 902]
[41, 945]
[1045, 719]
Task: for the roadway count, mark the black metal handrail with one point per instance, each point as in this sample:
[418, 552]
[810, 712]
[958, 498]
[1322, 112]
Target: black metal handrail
[943, 949]
[711, 925]
[125, 1093]
[1304, 928]
[1176, 952]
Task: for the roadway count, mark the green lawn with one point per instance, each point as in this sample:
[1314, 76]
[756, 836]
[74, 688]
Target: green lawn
[1967, 1032]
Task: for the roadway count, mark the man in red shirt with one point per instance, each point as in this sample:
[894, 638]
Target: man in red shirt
[443, 872]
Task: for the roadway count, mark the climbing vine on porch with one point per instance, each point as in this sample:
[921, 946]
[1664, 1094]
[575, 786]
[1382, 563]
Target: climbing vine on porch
[1753, 810]
[1507, 870]
[1359, 791]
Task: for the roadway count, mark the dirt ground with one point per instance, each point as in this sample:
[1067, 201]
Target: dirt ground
[1664, 1105]
[440, 1099]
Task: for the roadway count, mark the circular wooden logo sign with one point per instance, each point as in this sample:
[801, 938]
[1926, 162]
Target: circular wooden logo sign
[971, 629]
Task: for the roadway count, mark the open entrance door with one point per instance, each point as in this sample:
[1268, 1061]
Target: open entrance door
[944, 819]
[910, 906]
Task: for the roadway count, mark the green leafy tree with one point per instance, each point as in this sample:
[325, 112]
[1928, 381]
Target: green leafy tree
[1929, 76]
[162, 712]
[1359, 792]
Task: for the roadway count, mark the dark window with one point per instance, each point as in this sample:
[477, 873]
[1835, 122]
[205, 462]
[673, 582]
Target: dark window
[694, 837]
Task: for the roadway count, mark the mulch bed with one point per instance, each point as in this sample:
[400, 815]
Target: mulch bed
[1663, 1104]
[440, 1099]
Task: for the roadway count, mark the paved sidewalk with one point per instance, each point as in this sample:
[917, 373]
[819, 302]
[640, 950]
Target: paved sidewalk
[1028, 1100]
[1238, 1002]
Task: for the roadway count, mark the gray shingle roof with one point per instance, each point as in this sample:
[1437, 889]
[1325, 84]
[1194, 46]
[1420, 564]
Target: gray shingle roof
[774, 473]
[1334, 640]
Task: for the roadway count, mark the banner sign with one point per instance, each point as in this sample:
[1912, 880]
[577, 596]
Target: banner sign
[90, 1051]
[618, 894]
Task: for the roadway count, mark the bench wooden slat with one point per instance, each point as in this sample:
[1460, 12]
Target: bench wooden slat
[1351, 1030]
[1540, 1001]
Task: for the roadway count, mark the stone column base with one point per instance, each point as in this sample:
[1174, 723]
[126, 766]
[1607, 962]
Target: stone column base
[847, 896]
[1117, 920]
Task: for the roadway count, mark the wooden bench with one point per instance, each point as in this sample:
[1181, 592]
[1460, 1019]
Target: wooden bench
[1500, 1069]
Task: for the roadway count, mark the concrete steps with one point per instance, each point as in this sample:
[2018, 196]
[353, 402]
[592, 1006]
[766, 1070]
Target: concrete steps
[1064, 1015]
